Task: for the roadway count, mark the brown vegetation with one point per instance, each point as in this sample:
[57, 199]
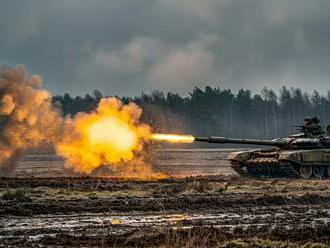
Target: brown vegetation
[207, 212]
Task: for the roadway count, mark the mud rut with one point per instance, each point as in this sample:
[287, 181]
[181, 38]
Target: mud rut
[294, 211]
[98, 211]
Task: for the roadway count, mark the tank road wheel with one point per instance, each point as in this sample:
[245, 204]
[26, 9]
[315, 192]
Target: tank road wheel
[328, 170]
[306, 171]
[318, 171]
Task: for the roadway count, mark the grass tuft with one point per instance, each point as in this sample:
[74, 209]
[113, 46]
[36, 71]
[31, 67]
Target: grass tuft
[20, 195]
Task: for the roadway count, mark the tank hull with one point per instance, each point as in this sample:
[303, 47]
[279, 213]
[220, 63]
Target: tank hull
[282, 163]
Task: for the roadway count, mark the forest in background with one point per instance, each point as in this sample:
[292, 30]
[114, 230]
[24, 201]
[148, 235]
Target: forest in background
[216, 111]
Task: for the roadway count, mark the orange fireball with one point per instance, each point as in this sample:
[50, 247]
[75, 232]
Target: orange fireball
[110, 135]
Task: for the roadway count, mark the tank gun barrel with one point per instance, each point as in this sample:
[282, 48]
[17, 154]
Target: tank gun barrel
[224, 140]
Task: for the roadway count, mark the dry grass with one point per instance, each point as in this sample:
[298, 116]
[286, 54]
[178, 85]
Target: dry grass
[201, 237]
[194, 237]
[19, 195]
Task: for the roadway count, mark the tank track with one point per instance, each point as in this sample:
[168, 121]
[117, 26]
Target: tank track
[240, 170]
[270, 170]
[290, 171]
[265, 169]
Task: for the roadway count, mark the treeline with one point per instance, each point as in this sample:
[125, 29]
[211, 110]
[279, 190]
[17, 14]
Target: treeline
[215, 111]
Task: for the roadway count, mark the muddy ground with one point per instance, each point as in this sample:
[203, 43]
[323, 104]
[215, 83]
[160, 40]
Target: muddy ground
[217, 209]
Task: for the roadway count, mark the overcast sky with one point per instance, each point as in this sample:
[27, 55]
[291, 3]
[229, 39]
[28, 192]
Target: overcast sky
[126, 46]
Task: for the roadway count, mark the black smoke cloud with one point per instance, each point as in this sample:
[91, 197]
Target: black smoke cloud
[123, 47]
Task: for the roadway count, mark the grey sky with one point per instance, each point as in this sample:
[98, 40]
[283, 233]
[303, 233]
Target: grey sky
[124, 46]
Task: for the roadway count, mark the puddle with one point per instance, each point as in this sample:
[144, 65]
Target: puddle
[38, 226]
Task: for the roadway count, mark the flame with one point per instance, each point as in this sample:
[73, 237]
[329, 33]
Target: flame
[173, 138]
[111, 135]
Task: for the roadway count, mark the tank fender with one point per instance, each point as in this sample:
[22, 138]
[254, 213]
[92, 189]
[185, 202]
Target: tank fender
[292, 156]
[240, 156]
[302, 156]
[306, 157]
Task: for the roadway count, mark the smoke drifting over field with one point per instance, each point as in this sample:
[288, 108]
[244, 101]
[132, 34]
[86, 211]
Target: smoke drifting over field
[111, 135]
[26, 114]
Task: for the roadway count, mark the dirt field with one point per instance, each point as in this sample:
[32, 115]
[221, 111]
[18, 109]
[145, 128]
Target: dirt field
[176, 162]
[53, 208]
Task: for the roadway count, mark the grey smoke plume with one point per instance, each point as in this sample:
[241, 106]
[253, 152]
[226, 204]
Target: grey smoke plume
[27, 117]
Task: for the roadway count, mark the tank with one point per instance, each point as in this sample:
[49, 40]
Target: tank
[305, 155]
